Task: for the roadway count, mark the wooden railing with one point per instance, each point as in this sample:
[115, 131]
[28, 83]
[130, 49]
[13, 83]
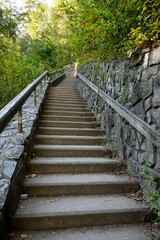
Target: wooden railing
[144, 128]
[15, 105]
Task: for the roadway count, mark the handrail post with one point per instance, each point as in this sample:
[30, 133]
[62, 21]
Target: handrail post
[20, 120]
[45, 80]
[34, 96]
[41, 86]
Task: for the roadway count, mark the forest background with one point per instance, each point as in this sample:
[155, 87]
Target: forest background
[41, 37]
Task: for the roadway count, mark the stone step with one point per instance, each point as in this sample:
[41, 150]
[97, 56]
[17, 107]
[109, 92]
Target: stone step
[68, 151]
[72, 165]
[78, 184]
[67, 113]
[68, 140]
[44, 213]
[66, 124]
[123, 232]
[66, 109]
[67, 118]
[70, 131]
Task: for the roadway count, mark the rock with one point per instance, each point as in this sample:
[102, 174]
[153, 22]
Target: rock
[154, 56]
[146, 89]
[2, 142]
[4, 187]
[156, 116]
[133, 167]
[140, 137]
[138, 110]
[8, 168]
[7, 133]
[149, 117]
[14, 153]
[143, 146]
[146, 60]
[157, 81]
[150, 152]
[147, 73]
[142, 157]
[148, 103]
[139, 74]
[17, 140]
[156, 98]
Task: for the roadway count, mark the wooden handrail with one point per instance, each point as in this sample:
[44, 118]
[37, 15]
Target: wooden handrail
[53, 72]
[15, 105]
[142, 127]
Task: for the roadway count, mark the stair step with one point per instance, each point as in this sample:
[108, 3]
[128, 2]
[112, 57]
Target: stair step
[72, 165]
[68, 140]
[67, 118]
[76, 211]
[68, 151]
[65, 101]
[128, 232]
[49, 123]
[66, 109]
[78, 184]
[67, 113]
[70, 131]
[64, 95]
[68, 105]
[62, 98]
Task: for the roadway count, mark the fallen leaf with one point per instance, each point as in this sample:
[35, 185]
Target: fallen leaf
[52, 201]
[21, 206]
[31, 175]
[24, 236]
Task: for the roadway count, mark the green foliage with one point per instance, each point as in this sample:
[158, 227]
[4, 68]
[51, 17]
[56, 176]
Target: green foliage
[40, 37]
[107, 29]
[22, 57]
[154, 196]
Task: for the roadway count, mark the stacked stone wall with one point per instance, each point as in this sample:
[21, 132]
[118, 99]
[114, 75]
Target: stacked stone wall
[136, 87]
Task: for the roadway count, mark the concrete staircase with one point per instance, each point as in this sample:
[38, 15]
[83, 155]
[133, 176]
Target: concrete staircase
[71, 183]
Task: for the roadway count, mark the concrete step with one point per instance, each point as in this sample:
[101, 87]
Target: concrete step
[64, 95]
[76, 211]
[78, 184]
[67, 113]
[72, 165]
[69, 98]
[66, 124]
[67, 118]
[70, 131]
[68, 151]
[68, 140]
[65, 101]
[123, 232]
[67, 109]
[68, 105]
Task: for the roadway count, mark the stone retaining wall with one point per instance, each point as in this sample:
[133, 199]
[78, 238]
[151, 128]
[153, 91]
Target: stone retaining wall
[15, 151]
[137, 87]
